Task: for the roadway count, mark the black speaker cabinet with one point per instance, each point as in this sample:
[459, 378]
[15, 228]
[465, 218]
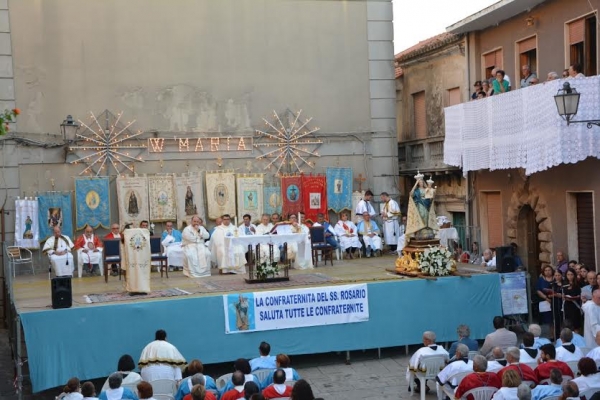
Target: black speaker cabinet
[505, 261]
[62, 296]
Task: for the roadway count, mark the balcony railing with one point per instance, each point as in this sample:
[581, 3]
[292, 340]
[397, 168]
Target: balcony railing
[422, 154]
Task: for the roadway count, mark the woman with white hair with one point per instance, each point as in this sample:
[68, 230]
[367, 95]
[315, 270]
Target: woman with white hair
[538, 341]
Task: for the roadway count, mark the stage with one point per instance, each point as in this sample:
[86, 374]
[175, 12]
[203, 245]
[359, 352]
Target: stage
[87, 339]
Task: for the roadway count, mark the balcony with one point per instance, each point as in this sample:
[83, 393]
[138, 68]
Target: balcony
[422, 154]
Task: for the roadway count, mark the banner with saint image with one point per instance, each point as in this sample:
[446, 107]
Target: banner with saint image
[189, 192]
[92, 202]
[250, 196]
[27, 230]
[339, 189]
[54, 209]
[314, 195]
[272, 199]
[220, 193]
[292, 195]
[132, 196]
[161, 198]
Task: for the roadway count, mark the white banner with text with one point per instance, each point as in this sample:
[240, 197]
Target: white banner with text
[295, 308]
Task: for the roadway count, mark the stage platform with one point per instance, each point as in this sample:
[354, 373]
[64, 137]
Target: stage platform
[87, 339]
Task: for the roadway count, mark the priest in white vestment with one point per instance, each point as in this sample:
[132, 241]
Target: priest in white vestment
[300, 261]
[347, 232]
[390, 214]
[265, 228]
[171, 240]
[247, 228]
[58, 247]
[161, 360]
[365, 206]
[89, 252]
[591, 321]
[221, 253]
[196, 261]
[370, 234]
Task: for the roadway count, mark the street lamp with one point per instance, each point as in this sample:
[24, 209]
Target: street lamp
[567, 104]
[69, 128]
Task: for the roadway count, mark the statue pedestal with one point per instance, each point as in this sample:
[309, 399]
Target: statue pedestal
[419, 246]
[408, 263]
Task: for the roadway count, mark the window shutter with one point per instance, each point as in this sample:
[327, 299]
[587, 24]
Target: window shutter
[494, 219]
[576, 31]
[498, 57]
[420, 115]
[527, 45]
[490, 60]
[585, 228]
[453, 96]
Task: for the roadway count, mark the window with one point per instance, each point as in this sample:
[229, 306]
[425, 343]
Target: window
[491, 219]
[491, 60]
[453, 96]
[585, 228]
[527, 54]
[419, 115]
[583, 44]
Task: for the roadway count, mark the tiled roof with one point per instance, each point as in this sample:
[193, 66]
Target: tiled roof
[424, 46]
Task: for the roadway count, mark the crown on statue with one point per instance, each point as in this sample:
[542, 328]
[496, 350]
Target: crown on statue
[430, 180]
[419, 176]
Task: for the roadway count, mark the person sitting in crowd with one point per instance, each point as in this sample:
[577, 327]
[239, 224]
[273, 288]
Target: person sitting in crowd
[500, 84]
[498, 360]
[567, 351]
[576, 71]
[88, 391]
[479, 378]
[477, 87]
[590, 377]
[199, 392]
[145, 391]
[513, 356]
[554, 388]
[594, 354]
[529, 353]
[89, 250]
[198, 383]
[538, 340]
[264, 360]
[115, 233]
[283, 362]
[116, 391]
[171, 240]
[302, 391]
[369, 231]
[429, 348]
[528, 76]
[278, 388]
[58, 248]
[548, 362]
[125, 367]
[510, 382]
[153, 360]
[586, 290]
[194, 368]
[523, 392]
[242, 365]
[237, 387]
[464, 332]
[461, 363]
[71, 391]
[501, 337]
[348, 234]
[329, 231]
[489, 260]
[250, 389]
[577, 339]
[569, 390]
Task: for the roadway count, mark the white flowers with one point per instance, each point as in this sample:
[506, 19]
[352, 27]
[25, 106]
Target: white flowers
[436, 261]
[266, 268]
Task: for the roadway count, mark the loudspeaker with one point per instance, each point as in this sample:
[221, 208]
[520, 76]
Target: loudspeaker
[62, 296]
[505, 260]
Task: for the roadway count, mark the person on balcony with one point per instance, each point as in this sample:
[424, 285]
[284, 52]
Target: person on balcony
[500, 84]
[528, 76]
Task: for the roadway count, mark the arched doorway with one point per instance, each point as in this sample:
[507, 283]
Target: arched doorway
[527, 240]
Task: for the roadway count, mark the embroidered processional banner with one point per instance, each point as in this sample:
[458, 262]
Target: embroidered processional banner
[54, 209]
[272, 200]
[339, 189]
[189, 192]
[27, 229]
[136, 257]
[356, 197]
[314, 195]
[220, 193]
[132, 196]
[292, 195]
[161, 198]
[250, 196]
[92, 202]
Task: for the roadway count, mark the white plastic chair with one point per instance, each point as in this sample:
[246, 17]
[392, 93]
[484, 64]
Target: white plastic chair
[164, 389]
[573, 366]
[565, 378]
[472, 354]
[588, 393]
[480, 393]
[19, 256]
[429, 367]
[131, 386]
[222, 380]
[446, 390]
[262, 374]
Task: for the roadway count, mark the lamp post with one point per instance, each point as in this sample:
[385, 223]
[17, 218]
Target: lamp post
[567, 104]
[69, 128]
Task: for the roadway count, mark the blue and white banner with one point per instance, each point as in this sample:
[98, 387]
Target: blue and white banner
[295, 308]
[27, 230]
[92, 202]
[272, 199]
[55, 210]
[339, 189]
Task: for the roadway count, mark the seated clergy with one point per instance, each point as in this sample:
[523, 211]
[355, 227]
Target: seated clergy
[228, 260]
[171, 240]
[329, 232]
[548, 362]
[498, 360]
[590, 377]
[567, 351]
[554, 388]
[196, 256]
[429, 348]
[529, 353]
[160, 360]
[513, 356]
[348, 234]
[461, 363]
[293, 226]
[58, 247]
[479, 378]
[369, 231]
[278, 389]
[113, 234]
[265, 228]
[237, 387]
[89, 251]
[247, 228]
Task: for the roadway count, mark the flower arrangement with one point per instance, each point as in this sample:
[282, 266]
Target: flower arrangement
[7, 117]
[436, 261]
[267, 269]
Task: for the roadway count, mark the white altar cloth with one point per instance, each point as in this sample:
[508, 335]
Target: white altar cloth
[303, 258]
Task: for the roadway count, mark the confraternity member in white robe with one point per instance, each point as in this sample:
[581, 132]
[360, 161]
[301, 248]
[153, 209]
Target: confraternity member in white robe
[348, 234]
[58, 248]
[171, 241]
[196, 261]
[370, 233]
[247, 228]
[161, 360]
[264, 228]
[220, 253]
[365, 206]
[390, 215]
[591, 326]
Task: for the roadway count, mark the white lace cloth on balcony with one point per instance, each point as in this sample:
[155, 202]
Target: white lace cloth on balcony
[522, 129]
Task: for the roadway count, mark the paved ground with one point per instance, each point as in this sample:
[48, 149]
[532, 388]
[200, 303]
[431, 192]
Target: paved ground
[366, 378]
